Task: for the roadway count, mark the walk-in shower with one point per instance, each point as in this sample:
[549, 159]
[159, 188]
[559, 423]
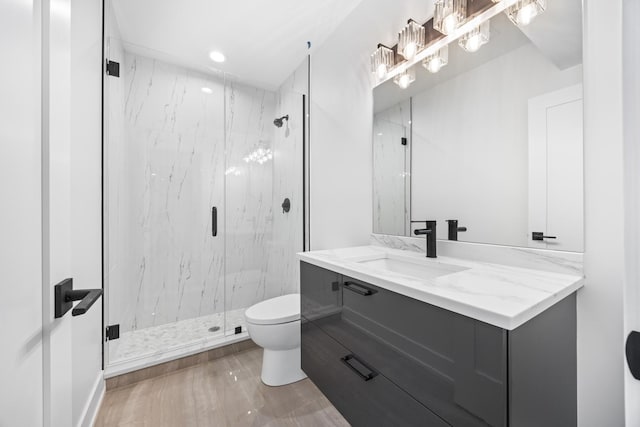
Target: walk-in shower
[194, 177]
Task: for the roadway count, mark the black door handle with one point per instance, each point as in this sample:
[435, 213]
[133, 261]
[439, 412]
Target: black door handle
[359, 289]
[538, 235]
[633, 353]
[64, 295]
[359, 367]
[214, 221]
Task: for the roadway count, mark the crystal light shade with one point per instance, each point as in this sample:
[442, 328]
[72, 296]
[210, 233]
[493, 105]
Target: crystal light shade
[381, 61]
[523, 12]
[434, 62]
[405, 78]
[449, 15]
[411, 39]
[474, 39]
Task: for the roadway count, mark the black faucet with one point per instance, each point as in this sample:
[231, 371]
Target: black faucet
[430, 233]
[453, 229]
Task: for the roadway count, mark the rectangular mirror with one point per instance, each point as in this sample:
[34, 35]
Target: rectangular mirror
[493, 140]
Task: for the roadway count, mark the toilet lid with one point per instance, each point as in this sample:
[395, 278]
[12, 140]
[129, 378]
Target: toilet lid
[275, 310]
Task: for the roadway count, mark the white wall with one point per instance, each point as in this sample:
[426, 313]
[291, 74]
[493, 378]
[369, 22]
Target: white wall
[85, 208]
[20, 219]
[341, 121]
[631, 35]
[600, 308]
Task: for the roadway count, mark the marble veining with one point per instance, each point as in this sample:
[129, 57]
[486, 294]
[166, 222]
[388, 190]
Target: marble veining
[540, 259]
[501, 295]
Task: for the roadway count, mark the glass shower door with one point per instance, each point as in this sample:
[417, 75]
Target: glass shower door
[164, 172]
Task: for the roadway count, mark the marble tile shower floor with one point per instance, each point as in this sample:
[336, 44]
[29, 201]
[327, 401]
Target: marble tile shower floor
[224, 392]
[158, 339]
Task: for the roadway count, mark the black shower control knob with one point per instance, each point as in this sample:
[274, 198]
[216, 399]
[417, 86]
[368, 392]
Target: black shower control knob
[286, 205]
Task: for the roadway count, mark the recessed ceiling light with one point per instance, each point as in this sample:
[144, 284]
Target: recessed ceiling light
[216, 56]
[207, 90]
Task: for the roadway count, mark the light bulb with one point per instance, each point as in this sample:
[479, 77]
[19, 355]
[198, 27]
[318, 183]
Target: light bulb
[410, 51]
[207, 90]
[404, 81]
[434, 62]
[434, 65]
[381, 71]
[473, 43]
[216, 56]
[526, 14]
[450, 23]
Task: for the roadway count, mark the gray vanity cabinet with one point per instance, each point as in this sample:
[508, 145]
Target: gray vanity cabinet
[455, 367]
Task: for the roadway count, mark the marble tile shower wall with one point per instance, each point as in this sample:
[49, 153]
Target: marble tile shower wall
[391, 165]
[249, 205]
[283, 271]
[168, 167]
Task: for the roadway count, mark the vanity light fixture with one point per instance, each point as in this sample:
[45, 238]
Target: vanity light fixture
[434, 62]
[474, 39]
[449, 15]
[381, 61]
[411, 39]
[405, 78]
[523, 12]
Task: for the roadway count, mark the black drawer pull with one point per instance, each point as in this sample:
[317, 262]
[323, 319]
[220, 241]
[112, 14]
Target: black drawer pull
[347, 360]
[359, 289]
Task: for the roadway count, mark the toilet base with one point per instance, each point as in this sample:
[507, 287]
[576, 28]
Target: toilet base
[277, 367]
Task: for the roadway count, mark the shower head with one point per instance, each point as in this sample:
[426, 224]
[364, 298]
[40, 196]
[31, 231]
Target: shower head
[280, 121]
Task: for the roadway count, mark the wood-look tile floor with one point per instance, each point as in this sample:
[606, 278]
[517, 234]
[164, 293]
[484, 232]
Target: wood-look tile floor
[221, 392]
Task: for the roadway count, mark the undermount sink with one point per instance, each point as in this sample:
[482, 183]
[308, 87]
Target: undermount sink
[426, 270]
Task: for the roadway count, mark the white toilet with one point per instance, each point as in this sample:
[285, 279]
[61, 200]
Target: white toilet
[274, 325]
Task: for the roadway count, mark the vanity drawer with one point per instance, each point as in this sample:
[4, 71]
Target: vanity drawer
[356, 389]
[455, 365]
[320, 293]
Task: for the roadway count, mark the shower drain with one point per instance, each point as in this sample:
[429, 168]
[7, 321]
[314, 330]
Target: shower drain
[214, 329]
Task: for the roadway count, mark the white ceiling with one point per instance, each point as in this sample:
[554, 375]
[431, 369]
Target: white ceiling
[264, 41]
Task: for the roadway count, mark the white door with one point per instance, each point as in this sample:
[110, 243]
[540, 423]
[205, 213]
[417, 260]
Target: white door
[56, 169]
[20, 216]
[556, 191]
[631, 91]
[35, 254]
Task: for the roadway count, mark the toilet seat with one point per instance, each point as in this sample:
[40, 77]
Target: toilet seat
[274, 311]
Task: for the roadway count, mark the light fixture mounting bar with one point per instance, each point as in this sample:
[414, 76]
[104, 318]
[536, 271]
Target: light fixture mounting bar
[470, 24]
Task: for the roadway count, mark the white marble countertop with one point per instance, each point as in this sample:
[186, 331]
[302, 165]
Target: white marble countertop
[500, 295]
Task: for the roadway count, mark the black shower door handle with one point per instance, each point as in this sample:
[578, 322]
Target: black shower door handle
[214, 221]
